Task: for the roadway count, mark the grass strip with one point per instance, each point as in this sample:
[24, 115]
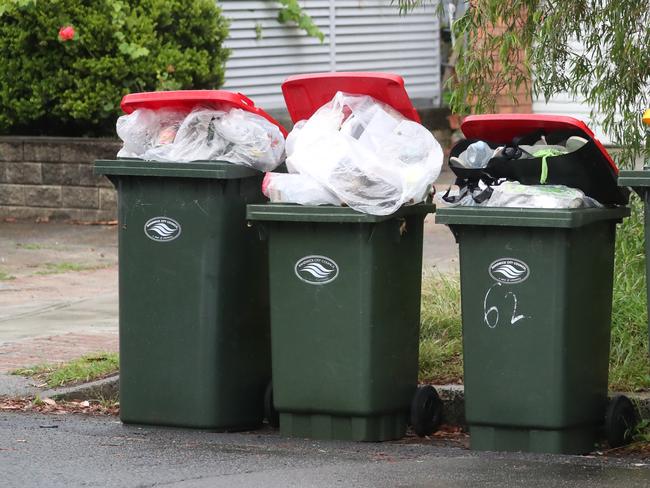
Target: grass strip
[6, 276]
[64, 267]
[86, 368]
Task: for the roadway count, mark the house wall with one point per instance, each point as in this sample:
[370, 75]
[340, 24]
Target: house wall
[564, 104]
[360, 35]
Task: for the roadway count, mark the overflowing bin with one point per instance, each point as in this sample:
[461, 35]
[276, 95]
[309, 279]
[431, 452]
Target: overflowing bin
[345, 299]
[193, 284]
[640, 182]
[536, 288]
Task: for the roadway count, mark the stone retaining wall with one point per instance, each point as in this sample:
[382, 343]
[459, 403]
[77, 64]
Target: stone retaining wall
[52, 178]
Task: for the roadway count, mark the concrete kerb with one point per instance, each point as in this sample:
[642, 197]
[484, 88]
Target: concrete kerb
[103, 389]
[452, 396]
[15, 386]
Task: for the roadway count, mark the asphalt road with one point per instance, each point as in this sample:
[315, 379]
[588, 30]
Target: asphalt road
[74, 451]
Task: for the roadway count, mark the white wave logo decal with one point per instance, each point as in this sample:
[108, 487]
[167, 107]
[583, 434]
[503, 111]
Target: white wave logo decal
[162, 229]
[316, 270]
[509, 271]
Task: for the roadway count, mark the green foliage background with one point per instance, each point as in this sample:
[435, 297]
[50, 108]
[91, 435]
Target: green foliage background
[74, 88]
[597, 51]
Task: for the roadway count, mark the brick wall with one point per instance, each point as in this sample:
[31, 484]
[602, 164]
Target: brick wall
[505, 104]
[52, 178]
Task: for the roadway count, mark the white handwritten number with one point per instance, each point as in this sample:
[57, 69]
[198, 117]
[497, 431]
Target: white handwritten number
[488, 311]
[515, 318]
[491, 314]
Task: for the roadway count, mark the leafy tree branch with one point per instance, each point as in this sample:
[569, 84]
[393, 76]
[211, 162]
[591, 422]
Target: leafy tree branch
[597, 51]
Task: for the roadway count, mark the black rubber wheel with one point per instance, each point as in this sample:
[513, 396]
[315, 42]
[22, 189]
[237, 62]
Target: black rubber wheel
[426, 411]
[620, 420]
[271, 414]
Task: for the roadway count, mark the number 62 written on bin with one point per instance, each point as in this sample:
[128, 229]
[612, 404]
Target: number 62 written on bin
[491, 314]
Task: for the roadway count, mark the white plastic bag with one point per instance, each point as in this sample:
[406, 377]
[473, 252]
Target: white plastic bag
[514, 194]
[295, 188]
[252, 140]
[196, 139]
[146, 129]
[204, 134]
[366, 153]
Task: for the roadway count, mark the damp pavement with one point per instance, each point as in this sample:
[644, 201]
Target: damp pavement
[73, 450]
[58, 295]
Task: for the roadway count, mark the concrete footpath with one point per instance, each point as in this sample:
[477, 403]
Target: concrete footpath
[58, 295]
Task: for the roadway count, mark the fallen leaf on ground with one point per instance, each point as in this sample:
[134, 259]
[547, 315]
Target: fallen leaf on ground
[58, 408]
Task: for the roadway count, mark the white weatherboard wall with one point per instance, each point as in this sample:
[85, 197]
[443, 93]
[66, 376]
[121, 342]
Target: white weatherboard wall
[564, 104]
[360, 35]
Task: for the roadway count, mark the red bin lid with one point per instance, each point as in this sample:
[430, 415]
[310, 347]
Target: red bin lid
[502, 128]
[305, 94]
[189, 99]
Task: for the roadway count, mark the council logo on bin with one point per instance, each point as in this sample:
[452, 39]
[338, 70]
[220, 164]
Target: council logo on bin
[509, 271]
[316, 270]
[162, 229]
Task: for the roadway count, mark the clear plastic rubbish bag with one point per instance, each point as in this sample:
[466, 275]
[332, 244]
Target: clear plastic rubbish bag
[514, 194]
[204, 134]
[296, 188]
[146, 129]
[366, 153]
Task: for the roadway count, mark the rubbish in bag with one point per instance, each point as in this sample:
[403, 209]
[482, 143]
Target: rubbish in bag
[514, 194]
[146, 129]
[297, 188]
[366, 153]
[464, 197]
[204, 134]
[482, 188]
[477, 155]
[539, 149]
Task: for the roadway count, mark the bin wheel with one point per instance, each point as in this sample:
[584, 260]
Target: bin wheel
[620, 420]
[426, 411]
[271, 414]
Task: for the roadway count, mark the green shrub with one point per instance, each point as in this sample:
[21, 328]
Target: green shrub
[74, 87]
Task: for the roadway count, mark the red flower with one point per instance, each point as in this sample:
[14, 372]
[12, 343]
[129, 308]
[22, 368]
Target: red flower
[66, 33]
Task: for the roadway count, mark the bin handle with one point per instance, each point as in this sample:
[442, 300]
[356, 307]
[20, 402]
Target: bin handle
[245, 100]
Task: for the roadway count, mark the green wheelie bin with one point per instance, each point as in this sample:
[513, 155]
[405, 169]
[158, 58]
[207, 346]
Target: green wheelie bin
[640, 182]
[193, 286]
[536, 293]
[345, 303]
[345, 320]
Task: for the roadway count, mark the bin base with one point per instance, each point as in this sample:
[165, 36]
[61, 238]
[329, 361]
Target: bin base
[368, 428]
[188, 423]
[577, 440]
